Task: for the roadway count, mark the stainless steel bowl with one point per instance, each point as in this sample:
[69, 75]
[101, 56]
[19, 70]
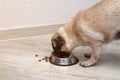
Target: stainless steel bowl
[71, 60]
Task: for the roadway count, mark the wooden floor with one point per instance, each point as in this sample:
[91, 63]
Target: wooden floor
[18, 61]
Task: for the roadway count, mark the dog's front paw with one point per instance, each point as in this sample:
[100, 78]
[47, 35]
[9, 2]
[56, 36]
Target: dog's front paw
[87, 63]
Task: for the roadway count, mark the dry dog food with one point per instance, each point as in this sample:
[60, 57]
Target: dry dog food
[39, 60]
[46, 58]
[43, 59]
[36, 55]
[61, 54]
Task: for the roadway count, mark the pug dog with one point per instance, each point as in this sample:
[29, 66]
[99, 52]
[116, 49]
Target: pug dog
[94, 27]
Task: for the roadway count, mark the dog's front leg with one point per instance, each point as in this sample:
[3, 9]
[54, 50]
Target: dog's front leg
[96, 49]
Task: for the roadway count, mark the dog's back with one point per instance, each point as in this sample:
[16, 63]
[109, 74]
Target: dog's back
[104, 17]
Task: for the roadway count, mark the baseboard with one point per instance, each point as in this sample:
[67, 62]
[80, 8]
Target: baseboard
[29, 31]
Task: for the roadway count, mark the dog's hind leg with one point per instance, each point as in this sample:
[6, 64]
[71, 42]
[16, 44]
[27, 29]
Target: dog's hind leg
[96, 49]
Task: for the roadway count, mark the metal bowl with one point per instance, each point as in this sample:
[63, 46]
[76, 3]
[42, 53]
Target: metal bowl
[71, 60]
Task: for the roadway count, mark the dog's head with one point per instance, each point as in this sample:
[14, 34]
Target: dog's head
[59, 42]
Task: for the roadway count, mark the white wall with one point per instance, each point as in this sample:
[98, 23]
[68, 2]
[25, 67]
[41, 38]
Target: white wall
[27, 13]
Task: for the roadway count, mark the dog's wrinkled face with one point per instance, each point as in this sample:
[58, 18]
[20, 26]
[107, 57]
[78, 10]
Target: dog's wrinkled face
[59, 45]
